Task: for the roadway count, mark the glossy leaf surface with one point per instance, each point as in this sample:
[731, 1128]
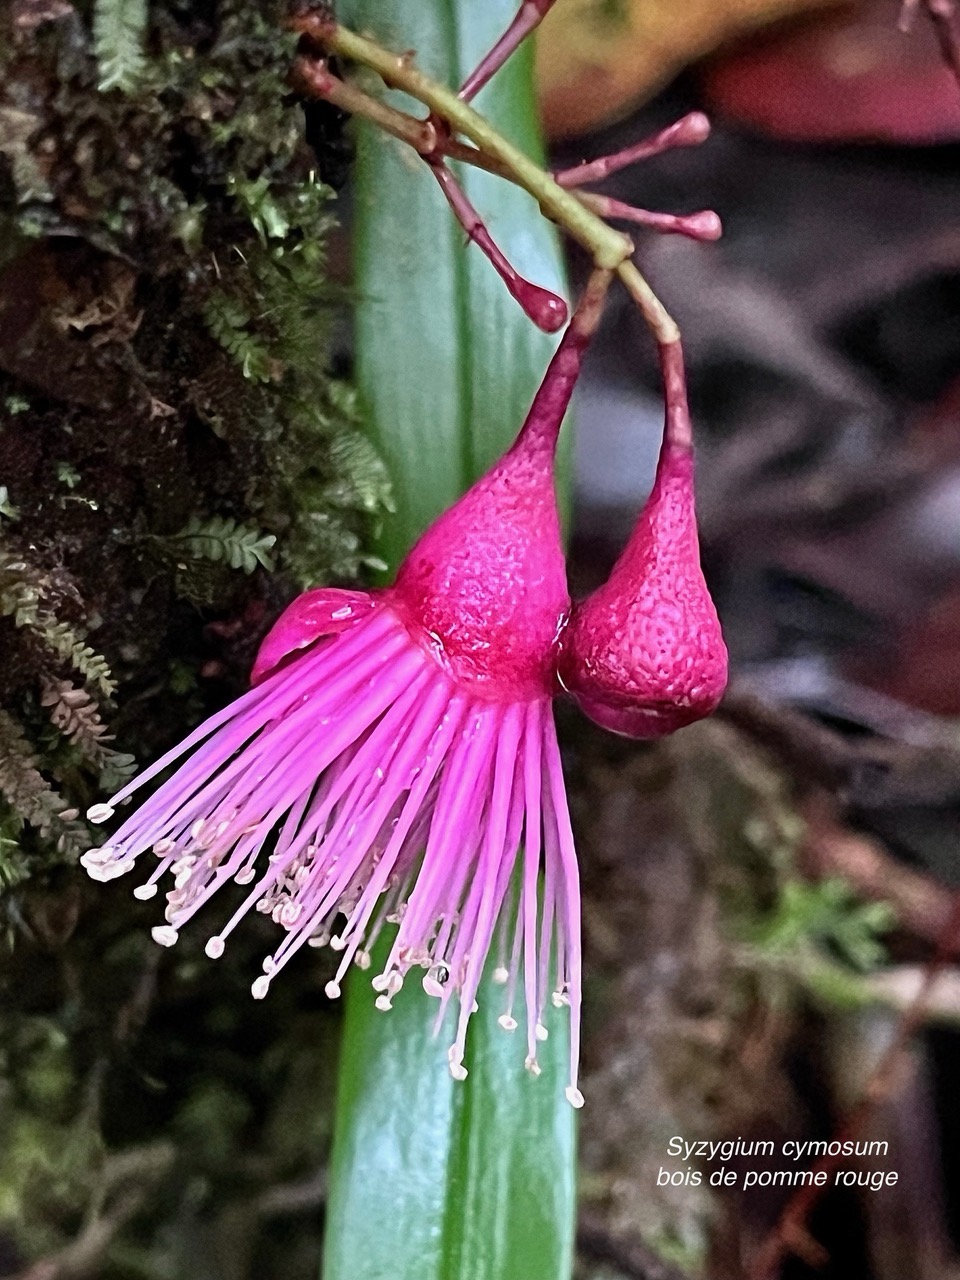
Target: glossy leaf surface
[434, 1179]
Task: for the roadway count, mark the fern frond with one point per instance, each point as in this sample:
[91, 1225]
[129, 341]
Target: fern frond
[116, 769]
[119, 28]
[29, 794]
[362, 481]
[19, 594]
[223, 539]
[228, 321]
[67, 644]
[73, 712]
[14, 864]
[21, 598]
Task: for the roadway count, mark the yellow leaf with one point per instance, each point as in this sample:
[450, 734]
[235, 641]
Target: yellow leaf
[598, 58]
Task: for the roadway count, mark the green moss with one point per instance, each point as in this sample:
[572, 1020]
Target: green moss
[176, 460]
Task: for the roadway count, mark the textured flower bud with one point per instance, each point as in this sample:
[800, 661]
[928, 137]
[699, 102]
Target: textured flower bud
[644, 655]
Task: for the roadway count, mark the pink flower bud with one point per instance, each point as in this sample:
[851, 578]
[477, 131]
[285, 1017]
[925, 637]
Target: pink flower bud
[644, 655]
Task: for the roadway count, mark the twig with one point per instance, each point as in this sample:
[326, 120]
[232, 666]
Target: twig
[126, 1177]
[435, 140]
[689, 131]
[631, 1257]
[943, 15]
[547, 311]
[904, 759]
[704, 225]
[897, 988]
[609, 249]
[922, 905]
[529, 16]
[791, 1234]
[291, 1198]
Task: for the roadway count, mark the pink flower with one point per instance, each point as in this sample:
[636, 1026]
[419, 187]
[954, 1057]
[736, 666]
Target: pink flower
[401, 745]
[644, 654]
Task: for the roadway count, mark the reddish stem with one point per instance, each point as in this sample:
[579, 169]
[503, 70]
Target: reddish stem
[528, 17]
[553, 395]
[678, 430]
[689, 131]
[704, 225]
[908, 12]
[545, 309]
[943, 15]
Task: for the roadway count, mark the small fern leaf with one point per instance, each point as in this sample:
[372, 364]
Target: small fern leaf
[227, 320]
[222, 539]
[363, 481]
[116, 769]
[119, 29]
[74, 714]
[68, 645]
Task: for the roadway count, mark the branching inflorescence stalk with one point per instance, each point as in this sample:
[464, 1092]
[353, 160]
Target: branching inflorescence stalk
[453, 130]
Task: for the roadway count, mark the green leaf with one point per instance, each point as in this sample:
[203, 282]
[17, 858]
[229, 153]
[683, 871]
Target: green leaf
[434, 1179]
[222, 539]
[446, 362]
[119, 27]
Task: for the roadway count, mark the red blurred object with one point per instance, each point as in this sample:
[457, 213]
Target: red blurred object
[925, 671]
[923, 667]
[845, 77]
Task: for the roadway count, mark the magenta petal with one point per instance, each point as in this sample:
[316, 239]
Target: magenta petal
[325, 611]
